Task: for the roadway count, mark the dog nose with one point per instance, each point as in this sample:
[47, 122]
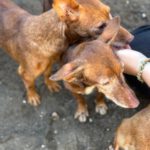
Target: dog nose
[134, 104]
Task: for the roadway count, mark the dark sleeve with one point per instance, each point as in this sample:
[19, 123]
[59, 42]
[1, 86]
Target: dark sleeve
[47, 5]
[141, 41]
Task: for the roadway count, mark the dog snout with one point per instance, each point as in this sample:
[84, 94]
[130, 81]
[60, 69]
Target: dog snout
[133, 102]
[127, 97]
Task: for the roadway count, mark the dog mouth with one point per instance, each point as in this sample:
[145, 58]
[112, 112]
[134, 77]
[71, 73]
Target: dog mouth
[120, 45]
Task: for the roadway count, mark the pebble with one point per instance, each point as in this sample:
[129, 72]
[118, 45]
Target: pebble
[24, 102]
[55, 116]
[144, 15]
[107, 129]
[127, 2]
[63, 119]
[55, 131]
[110, 147]
[42, 114]
[27, 146]
[43, 146]
[58, 143]
[90, 120]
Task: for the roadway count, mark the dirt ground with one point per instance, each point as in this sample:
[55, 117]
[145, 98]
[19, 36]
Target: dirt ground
[23, 127]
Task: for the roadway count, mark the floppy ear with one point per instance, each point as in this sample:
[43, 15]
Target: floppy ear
[67, 71]
[67, 10]
[111, 30]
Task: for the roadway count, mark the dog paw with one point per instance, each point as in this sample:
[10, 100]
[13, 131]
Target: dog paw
[101, 109]
[34, 99]
[54, 86]
[81, 116]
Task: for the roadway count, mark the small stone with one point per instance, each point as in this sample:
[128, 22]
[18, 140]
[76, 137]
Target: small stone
[27, 146]
[58, 143]
[90, 120]
[55, 116]
[42, 114]
[43, 146]
[110, 147]
[64, 119]
[144, 15]
[127, 2]
[55, 132]
[107, 129]
[24, 102]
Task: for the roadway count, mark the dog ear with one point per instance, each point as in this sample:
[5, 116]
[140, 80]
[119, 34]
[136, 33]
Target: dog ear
[111, 30]
[67, 71]
[67, 10]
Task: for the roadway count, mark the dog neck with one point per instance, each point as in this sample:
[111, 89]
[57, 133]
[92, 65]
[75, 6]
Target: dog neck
[48, 31]
[72, 36]
[46, 26]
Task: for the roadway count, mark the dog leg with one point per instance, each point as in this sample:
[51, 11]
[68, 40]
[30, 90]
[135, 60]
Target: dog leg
[82, 111]
[52, 85]
[29, 82]
[101, 106]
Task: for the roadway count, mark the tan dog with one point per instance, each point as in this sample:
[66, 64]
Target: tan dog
[93, 65]
[36, 42]
[134, 132]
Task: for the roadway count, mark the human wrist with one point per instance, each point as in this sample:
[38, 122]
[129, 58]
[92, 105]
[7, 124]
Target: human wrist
[131, 60]
[146, 73]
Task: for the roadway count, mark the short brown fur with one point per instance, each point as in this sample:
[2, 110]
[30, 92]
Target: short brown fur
[134, 132]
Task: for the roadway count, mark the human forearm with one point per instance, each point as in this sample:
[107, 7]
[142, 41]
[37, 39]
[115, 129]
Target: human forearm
[132, 60]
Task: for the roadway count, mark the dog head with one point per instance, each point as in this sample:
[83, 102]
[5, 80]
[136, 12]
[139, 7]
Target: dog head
[87, 18]
[95, 65]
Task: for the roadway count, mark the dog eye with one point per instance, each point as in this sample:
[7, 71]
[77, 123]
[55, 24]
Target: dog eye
[102, 26]
[106, 83]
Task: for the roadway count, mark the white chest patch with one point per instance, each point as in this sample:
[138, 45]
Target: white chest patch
[89, 90]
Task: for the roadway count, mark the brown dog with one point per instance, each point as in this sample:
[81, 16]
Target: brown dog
[36, 42]
[93, 65]
[134, 132]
